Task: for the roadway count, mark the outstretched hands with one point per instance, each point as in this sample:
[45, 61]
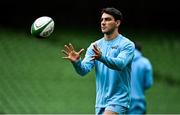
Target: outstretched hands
[73, 56]
[70, 53]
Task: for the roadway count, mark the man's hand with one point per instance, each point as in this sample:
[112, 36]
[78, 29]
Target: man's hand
[97, 52]
[70, 53]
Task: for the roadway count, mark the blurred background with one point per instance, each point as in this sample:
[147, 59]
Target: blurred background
[35, 79]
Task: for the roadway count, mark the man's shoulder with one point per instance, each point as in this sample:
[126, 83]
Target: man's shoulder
[98, 41]
[126, 40]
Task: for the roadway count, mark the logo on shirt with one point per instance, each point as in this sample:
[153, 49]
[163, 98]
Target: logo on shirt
[115, 47]
[113, 50]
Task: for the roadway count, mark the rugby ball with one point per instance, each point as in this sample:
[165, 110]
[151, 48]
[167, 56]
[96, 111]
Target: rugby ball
[42, 27]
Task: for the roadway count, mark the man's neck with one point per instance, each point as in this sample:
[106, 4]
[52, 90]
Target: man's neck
[112, 36]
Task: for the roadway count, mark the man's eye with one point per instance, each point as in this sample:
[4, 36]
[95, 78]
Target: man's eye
[105, 19]
[108, 19]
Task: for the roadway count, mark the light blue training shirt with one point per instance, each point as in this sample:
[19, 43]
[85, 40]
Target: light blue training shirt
[141, 80]
[113, 70]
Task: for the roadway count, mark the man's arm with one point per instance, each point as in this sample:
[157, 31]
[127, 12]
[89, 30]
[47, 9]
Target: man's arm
[119, 62]
[81, 67]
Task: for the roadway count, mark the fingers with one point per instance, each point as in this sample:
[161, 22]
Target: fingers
[94, 57]
[95, 47]
[71, 47]
[95, 51]
[63, 51]
[67, 48]
[65, 57]
[70, 53]
[80, 51]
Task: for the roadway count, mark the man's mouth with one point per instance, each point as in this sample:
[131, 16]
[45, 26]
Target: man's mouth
[103, 28]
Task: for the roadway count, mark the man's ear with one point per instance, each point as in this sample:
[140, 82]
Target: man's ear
[118, 22]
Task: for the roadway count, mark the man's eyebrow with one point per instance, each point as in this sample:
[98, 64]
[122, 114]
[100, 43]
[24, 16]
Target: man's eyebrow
[106, 18]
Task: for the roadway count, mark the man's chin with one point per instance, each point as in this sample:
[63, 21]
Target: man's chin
[106, 32]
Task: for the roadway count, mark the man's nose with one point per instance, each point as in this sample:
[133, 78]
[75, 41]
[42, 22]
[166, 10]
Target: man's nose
[103, 22]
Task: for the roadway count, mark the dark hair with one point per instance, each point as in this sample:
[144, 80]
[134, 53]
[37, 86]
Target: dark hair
[138, 46]
[114, 12]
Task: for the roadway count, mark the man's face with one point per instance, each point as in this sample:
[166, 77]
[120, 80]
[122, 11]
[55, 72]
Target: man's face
[108, 24]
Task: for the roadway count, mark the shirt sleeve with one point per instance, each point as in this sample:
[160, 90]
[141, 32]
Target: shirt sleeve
[82, 67]
[124, 57]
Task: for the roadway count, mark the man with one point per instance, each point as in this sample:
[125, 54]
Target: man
[112, 56]
[141, 80]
